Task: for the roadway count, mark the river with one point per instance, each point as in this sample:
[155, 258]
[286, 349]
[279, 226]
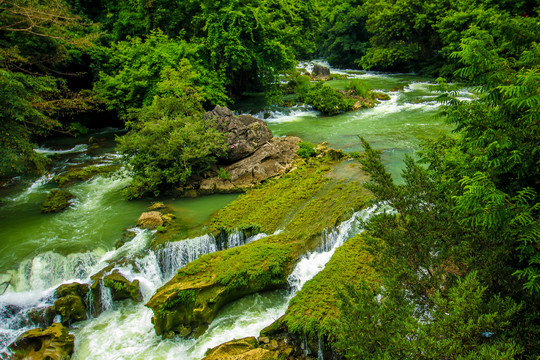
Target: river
[38, 252]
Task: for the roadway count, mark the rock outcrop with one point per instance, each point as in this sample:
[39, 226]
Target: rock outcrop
[245, 134]
[122, 288]
[272, 159]
[303, 203]
[320, 72]
[150, 220]
[242, 349]
[53, 343]
[253, 156]
[71, 302]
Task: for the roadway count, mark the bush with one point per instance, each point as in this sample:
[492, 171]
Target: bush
[306, 149]
[328, 100]
[302, 85]
[359, 88]
[168, 143]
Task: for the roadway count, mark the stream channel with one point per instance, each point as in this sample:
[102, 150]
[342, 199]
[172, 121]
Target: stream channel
[38, 251]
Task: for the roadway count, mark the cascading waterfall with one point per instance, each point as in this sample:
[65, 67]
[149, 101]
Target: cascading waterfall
[31, 287]
[130, 325]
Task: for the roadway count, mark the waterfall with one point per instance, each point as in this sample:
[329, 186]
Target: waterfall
[106, 300]
[177, 254]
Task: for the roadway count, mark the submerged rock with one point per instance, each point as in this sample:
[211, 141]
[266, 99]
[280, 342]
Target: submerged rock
[56, 201]
[53, 343]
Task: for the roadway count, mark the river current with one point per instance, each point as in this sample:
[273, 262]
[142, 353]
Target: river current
[38, 252]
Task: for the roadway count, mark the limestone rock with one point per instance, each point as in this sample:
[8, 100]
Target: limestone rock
[71, 308]
[150, 220]
[272, 159]
[245, 134]
[243, 349]
[53, 343]
[71, 303]
[320, 72]
[122, 288]
[158, 205]
[71, 289]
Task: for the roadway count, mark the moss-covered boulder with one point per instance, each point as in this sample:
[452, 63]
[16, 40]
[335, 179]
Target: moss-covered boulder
[187, 304]
[56, 201]
[83, 174]
[122, 288]
[242, 349]
[71, 303]
[53, 343]
[150, 220]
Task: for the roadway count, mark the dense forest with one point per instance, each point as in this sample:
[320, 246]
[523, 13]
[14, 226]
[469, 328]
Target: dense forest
[460, 257]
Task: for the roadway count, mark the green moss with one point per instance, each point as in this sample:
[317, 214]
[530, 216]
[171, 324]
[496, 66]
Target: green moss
[313, 310]
[83, 174]
[185, 298]
[56, 201]
[273, 203]
[302, 204]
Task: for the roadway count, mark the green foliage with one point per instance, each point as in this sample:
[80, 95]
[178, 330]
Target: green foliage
[137, 70]
[224, 174]
[306, 149]
[328, 100]
[35, 93]
[168, 142]
[375, 322]
[346, 38]
[380, 322]
[302, 85]
[359, 88]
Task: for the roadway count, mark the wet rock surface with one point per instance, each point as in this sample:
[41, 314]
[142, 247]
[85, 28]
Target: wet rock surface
[53, 343]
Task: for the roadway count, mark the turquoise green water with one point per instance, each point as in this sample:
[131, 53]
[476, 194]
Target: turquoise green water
[97, 217]
[396, 126]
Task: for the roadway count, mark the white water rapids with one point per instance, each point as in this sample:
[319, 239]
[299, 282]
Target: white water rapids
[124, 330]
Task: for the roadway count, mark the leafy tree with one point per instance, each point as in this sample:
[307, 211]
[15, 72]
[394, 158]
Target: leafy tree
[168, 142]
[38, 41]
[135, 69]
[346, 38]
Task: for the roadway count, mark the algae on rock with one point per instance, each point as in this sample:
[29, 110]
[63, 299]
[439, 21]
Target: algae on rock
[56, 201]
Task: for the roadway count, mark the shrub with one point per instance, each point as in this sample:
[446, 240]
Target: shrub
[328, 100]
[359, 88]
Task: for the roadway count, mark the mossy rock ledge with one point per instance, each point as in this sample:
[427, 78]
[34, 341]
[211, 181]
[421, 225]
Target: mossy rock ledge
[188, 303]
